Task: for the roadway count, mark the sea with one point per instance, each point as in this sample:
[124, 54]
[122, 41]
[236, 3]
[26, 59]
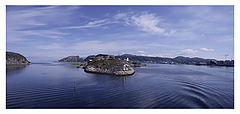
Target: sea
[155, 86]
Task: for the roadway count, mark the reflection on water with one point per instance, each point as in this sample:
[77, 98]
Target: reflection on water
[15, 69]
[154, 86]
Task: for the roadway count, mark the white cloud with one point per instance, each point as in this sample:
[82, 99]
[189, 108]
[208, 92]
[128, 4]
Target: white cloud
[141, 52]
[188, 51]
[206, 49]
[45, 33]
[148, 22]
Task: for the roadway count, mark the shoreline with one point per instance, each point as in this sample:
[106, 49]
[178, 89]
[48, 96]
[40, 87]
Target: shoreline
[79, 63]
[24, 64]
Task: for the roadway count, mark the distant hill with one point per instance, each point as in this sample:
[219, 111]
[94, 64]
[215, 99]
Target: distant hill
[71, 59]
[145, 59]
[181, 59]
[13, 58]
[157, 60]
[176, 60]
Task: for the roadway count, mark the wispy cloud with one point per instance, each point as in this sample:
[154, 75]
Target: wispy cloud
[50, 46]
[143, 53]
[188, 51]
[44, 33]
[36, 21]
[91, 24]
[206, 49]
[148, 22]
[144, 21]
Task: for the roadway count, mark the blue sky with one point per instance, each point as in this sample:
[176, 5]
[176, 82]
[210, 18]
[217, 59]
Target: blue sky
[48, 33]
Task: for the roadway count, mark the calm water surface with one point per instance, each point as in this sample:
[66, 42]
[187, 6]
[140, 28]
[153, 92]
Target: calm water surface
[53, 85]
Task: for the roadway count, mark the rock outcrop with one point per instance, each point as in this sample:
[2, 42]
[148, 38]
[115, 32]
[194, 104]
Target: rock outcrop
[71, 59]
[16, 59]
[108, 64]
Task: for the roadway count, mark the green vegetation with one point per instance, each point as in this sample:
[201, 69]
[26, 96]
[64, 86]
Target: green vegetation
[108, 64]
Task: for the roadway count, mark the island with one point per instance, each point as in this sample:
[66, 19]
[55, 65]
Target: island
[122, 65]
[108, 64]
[13, 58]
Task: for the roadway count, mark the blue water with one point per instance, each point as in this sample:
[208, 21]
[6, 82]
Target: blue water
[154, 86]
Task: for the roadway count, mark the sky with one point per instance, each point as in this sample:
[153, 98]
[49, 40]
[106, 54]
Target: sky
[49, 33]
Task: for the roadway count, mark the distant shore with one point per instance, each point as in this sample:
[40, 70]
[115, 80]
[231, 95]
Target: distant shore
[141, 60]
[13, 58]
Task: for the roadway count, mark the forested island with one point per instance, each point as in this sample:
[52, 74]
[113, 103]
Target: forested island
[108, 64]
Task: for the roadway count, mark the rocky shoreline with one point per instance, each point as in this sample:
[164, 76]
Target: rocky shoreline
[107, 71]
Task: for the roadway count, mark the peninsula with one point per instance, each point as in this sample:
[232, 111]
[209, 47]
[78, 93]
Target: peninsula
[13, 58]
